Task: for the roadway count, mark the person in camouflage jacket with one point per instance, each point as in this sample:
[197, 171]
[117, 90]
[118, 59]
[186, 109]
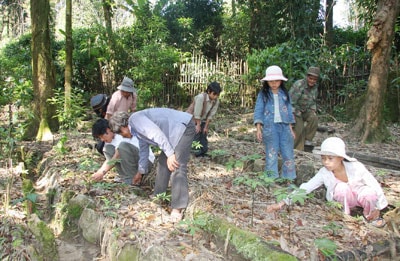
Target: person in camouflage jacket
[303, 95]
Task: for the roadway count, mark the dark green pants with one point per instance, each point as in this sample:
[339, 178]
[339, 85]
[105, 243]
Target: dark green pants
[305, 128]
[127, 166]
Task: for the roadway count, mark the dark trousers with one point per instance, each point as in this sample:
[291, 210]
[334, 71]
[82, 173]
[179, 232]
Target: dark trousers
[179, 179]
[201, 137]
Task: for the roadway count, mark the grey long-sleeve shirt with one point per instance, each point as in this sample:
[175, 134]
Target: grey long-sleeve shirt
[160, 127]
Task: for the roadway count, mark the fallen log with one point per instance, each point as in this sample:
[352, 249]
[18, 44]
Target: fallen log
[386, 249]
[249, 245]
[376, 161]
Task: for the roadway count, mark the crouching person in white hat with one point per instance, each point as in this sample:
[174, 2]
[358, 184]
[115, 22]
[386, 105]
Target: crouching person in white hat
[347, 181]
[124, 99]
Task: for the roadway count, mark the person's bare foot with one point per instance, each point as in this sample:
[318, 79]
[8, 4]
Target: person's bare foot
[176, 215]
[137, 179]
[373, 215]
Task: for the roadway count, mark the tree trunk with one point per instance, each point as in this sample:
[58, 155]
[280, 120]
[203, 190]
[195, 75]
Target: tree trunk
[43, 73]
[68, 59]
[370, 123]
[109, 74]
[253, 32]
[328, 30]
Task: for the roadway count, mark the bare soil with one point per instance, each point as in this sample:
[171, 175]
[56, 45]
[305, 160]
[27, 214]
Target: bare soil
[213, 190]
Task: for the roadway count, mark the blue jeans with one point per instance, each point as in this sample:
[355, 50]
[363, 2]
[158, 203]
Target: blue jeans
[278, 139]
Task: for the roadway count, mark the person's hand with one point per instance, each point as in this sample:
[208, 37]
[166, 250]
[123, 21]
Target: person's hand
[293, 133]
[314, 112]
[172, 163]
[373, 215]
[98, 176]
[198, 128]
[275, 207]
[205, 130]
[137, 179]
[259, 136]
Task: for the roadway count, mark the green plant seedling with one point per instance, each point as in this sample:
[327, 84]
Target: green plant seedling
[162, 197]
[333, 227]
[60, 146]
[196, 145]
[104, 185]
[144, 214]
[32, 197]
[252, 181]
[326, 246]
[30, 200]
[334, 204]
[106, 201]
[292, 194]
[239, 163]
[268, 181]
[193, 225]
[215, 153]
[228, 209]
[88, 164]
[381, 173]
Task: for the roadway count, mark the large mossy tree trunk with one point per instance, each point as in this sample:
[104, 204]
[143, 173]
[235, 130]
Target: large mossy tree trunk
[43, 72]
[370, 125]
[68, 57]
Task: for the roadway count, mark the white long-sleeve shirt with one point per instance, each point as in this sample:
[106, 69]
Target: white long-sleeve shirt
[133, 140]
[357, 175]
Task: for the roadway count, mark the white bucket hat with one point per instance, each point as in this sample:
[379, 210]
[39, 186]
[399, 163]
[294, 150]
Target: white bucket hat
[334, 146]
[127, 85]
[273, 73]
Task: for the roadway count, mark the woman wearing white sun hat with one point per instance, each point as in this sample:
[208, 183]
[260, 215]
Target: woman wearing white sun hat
[347, 181]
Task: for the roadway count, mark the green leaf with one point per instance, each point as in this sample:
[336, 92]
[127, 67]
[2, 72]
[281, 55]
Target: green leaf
[31, 197]
[326, 246]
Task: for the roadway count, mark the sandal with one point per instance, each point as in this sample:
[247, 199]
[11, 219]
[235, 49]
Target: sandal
[379, 222]
[176, 215]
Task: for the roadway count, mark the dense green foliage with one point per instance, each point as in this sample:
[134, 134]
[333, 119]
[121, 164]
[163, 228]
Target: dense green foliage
[195, 25]
[16, 72]
[155, 40]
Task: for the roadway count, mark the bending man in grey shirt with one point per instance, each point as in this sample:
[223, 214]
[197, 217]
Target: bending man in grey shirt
[172, 131]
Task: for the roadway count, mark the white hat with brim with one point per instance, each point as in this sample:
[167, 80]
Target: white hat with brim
[274, 73]
[127, 85]
[334, 146]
